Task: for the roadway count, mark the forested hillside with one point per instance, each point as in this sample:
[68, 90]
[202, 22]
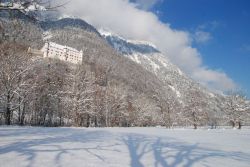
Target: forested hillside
[106, 89]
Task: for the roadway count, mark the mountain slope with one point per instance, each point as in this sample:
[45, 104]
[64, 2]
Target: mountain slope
[97, 51]
[153, 60]
[119, 83]
[137, 84]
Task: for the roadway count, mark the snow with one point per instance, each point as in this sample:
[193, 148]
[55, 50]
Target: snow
[165, 62]
[19, 6]
[180, 72]
[162, 61]
[64, 16]
[139, 42]
[35, 7]
[178, 94]
[47, 35]
[105, 32]
[122, 147]
[152, 63]
[211, 94]
[135, 58]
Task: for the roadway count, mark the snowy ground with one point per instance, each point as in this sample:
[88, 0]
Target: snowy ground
[123, 147]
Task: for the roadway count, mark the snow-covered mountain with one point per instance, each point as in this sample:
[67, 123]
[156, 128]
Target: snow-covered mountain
[65, 22]
[142, 78]
[147, 55]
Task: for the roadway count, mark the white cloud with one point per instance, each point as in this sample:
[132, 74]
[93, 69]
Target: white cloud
[146, 4]
[124, 18]
[202, 36]
[215, 80]
[210, 25]
[245, 47]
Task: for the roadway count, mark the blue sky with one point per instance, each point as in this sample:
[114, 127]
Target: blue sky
[225, 26]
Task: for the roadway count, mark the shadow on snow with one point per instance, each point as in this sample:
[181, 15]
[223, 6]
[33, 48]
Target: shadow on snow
[166, 152]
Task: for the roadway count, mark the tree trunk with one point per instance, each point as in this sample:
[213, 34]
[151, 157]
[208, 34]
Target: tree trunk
[8, 112]
[195, 126]
[60, 120]
[19, 110]
[240, 125]
[96, 121]
[233, 124]
[169, 119]
[195, 120]
[107, 118]
[88, 120]
[23, 115]
[7, 116]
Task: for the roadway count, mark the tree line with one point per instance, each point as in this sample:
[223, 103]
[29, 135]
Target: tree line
[49, 92]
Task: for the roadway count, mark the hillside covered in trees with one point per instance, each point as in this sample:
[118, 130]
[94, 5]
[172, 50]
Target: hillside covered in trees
[107, 89]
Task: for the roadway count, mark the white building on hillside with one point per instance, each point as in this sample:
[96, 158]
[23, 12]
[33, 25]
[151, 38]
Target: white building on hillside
[61, 52]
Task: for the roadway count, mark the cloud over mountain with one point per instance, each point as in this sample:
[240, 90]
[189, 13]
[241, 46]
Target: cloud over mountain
[126, 19]
[146, 4]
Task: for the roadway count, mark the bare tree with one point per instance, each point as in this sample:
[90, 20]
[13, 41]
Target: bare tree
[146, 110]
[169, 108]
[195, 109]
[14, 65]
[26, 5]
[215, 114]
[237, 108]
[31, 9]
[116, 105]
[82, 96]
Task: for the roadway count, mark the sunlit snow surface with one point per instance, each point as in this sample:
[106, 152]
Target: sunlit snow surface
[123, 147]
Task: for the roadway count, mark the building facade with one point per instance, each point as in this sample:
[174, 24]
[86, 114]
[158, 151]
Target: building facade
[61, 52]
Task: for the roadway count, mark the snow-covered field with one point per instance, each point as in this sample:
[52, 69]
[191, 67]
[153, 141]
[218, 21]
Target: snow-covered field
[123, 147]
